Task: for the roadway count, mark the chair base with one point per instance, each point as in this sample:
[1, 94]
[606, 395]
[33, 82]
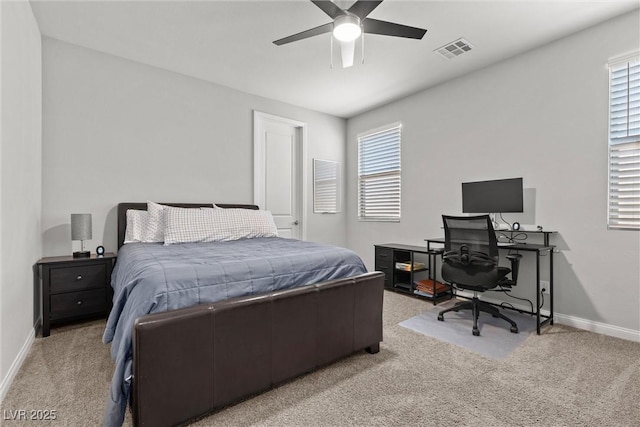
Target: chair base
[476, 306]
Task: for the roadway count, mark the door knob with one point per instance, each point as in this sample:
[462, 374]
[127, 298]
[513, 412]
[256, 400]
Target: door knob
[295, 222]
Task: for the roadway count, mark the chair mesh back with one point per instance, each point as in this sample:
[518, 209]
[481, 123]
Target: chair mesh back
[474, 231]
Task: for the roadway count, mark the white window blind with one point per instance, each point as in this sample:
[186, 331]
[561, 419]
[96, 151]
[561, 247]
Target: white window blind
[379, 175]
[624, 144]
[326, 186]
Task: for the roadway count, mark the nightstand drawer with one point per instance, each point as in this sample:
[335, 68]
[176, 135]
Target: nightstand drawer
[72, 304]
[77, 278]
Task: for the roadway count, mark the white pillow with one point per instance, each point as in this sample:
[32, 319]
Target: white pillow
[216, 225]
[154, 231]
[136, 226]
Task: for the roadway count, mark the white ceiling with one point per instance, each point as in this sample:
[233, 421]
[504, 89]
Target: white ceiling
[230, 42]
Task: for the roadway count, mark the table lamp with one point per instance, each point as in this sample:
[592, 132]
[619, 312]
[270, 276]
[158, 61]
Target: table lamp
[81, 230]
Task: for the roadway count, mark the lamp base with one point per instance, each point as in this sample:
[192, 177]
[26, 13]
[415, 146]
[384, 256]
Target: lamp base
[83, 254]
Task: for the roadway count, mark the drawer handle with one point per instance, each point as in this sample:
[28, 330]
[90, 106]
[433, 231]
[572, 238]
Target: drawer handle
[79, 302]
[79, 277]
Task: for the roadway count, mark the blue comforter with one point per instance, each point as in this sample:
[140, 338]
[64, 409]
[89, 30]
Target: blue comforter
[151, 277]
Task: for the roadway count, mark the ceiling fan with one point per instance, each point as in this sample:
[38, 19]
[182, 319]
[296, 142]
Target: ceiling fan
[349, 24]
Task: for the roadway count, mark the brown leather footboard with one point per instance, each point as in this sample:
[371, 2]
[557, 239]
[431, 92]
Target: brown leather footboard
[191, 361]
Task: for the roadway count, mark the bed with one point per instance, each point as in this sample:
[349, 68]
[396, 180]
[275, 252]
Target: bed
[198, 326]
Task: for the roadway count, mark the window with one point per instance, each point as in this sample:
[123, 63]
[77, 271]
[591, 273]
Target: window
[379, 174]
[624, 143]
[326, 185]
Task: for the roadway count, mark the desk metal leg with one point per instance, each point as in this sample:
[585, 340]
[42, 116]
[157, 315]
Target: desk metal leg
[538, 292]
[432, 276]
[551, 286]
[411, 283]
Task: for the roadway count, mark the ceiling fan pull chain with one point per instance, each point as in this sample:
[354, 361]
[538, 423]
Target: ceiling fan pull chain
[362, 47]
[331, 59]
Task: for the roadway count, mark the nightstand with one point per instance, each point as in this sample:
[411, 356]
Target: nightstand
[74, 288]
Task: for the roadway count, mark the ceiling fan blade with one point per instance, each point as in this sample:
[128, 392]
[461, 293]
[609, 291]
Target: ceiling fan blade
[329, 8]
[348, 52]
[326, 28]
[362, 8]
[374, 26]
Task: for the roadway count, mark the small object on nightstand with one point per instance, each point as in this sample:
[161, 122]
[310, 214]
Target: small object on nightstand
[515, 226]
[100, 251]
[81, 229]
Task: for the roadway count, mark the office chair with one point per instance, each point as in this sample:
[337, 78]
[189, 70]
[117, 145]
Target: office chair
[470, 262]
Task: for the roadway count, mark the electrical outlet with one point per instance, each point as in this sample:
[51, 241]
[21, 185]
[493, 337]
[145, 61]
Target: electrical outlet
[544, 284]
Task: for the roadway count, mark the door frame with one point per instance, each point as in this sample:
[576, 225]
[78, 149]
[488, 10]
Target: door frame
[258, 161]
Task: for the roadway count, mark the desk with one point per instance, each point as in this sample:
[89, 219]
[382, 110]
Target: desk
[541, 319]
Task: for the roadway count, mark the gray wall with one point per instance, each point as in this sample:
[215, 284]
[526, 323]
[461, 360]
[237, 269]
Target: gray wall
[20, 181]
[116, 130]
[542, 116]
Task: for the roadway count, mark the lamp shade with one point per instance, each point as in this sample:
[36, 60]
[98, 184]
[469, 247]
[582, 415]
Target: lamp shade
[81, 227]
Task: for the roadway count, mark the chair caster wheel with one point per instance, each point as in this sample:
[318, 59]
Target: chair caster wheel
[476, 332]
[441, 317]
[514, 329]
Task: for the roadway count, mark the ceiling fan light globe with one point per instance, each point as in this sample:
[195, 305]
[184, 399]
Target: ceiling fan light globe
[347, 28]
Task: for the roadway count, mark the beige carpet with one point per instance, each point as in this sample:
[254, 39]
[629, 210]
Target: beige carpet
[565, 377]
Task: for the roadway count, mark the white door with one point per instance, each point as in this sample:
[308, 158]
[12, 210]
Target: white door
[279, 173]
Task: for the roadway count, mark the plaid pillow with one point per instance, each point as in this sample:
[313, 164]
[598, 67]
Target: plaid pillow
[154, 231]
[136, 225]
[216, 225]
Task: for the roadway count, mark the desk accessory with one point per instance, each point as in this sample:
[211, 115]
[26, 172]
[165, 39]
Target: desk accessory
[81, 229]
[100, 251]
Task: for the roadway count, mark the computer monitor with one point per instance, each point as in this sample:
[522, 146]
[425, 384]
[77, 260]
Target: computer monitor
[496, 196]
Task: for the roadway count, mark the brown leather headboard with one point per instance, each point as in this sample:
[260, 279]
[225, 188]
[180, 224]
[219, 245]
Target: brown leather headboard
[123, 207]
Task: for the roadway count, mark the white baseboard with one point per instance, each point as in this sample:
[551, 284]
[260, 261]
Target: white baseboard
[577, 322]
[17, 363]
[597, 327]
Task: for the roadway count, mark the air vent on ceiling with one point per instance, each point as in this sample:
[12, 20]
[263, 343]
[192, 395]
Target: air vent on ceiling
[453, 49]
